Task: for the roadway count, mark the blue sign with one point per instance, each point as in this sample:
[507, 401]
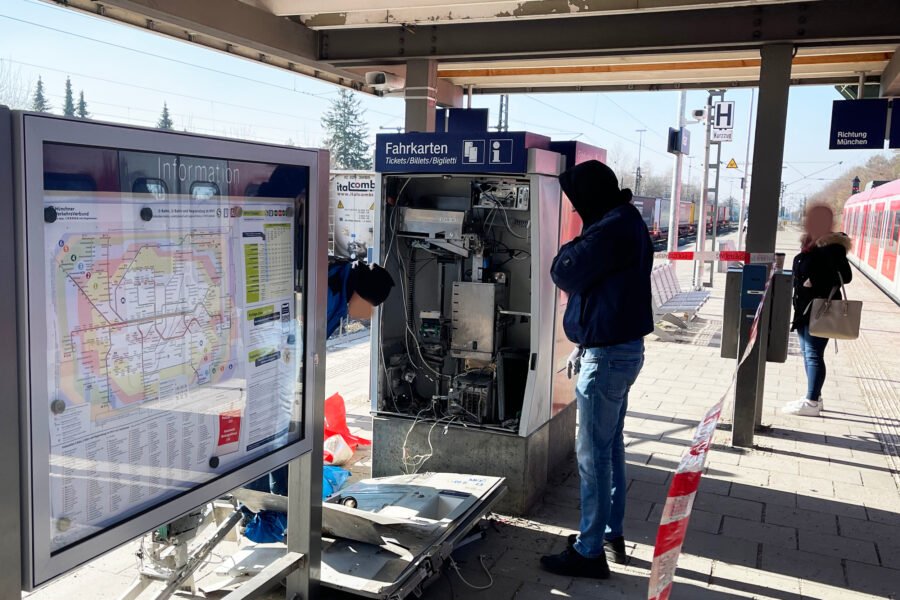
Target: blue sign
[753, 285]
[505, 152]
[895, 126]
[858, 124]
[679, 141]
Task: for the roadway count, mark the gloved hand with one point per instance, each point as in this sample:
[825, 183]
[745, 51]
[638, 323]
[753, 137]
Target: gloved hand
[573, 363]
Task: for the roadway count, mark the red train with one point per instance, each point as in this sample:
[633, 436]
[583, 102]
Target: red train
[872, 219]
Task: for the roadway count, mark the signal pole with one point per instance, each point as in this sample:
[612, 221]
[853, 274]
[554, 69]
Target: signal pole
[675, 200]
[637, 175]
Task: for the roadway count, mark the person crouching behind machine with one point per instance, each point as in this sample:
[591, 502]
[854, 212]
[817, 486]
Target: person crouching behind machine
[606, 272]
[353, 290]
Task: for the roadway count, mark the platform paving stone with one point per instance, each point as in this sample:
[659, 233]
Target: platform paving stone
[807, 520]
[806, 566]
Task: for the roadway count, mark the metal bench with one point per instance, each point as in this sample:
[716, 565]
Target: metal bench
[670, 303]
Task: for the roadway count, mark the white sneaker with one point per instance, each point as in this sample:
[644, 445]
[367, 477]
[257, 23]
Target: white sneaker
[803, 408]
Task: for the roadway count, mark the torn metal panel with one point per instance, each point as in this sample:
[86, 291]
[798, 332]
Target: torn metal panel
[386, 537]
[419, 519]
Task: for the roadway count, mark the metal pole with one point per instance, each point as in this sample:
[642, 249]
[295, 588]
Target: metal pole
[10, 527]
[700, 245]
[861, 86]
[745, 183]
[768, 153]
[469, 96]
[637, 175]
[715, 206]
[675, 199]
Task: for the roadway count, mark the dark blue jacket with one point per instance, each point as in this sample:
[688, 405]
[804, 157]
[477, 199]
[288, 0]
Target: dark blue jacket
[338, 294]
[606, 272]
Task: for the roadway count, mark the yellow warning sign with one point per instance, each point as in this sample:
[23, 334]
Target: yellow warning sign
[372, 207]
[340, 204]
[731, 164]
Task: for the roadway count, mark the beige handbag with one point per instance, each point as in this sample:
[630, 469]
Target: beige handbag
[835, 319]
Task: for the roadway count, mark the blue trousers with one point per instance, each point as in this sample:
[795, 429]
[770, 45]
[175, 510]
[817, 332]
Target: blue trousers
[813, 349]
[607, 375]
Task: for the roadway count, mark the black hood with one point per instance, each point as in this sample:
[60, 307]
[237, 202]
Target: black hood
[593, 189]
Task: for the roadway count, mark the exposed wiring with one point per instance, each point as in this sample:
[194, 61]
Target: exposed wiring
[418, 460]
[502, 209]
[387, 258]
[487, 572]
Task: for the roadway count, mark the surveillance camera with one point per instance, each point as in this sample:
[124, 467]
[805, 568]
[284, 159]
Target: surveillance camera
[384, 82]
[699, 113]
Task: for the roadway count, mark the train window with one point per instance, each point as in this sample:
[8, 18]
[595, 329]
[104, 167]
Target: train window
[150, 185]
[204, 190]
[895, 234]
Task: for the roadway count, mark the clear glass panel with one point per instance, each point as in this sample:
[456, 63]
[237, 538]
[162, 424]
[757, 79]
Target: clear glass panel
[174, 340]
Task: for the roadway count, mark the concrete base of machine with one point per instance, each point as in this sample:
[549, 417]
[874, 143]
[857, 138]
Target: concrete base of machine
[525, 462]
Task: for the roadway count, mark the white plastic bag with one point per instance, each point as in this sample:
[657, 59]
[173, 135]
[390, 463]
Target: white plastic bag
[337, 451]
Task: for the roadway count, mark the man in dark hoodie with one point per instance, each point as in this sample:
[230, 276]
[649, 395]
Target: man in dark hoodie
[606, 272]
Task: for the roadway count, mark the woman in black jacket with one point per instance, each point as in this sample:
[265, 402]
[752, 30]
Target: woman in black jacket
[820, 267]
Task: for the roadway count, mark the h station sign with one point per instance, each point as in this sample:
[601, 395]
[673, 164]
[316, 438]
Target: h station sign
[722, 121]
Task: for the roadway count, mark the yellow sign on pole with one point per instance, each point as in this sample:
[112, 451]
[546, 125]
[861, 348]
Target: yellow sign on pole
[731, 164]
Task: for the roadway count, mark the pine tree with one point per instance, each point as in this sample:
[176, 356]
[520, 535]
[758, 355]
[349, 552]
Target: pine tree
[346, 132]
[165, 121]
[82, 110]
[39, 101]
[69, 105]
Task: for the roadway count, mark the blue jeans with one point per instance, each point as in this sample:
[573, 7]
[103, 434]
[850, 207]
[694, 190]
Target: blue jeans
[607, 375]
[813, 349]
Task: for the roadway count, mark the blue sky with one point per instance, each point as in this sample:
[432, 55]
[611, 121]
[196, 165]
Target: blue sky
[127, 74]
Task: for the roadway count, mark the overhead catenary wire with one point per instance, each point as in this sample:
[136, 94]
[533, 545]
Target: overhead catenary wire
[592, 124]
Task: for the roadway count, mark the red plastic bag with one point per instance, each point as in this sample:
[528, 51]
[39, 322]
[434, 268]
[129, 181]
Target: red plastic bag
[336, 422]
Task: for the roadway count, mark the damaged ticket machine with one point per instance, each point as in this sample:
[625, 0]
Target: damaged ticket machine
[468, 352]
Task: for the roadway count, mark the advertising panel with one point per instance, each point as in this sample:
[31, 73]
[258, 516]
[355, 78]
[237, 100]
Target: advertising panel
[353, 198]
[165, 309]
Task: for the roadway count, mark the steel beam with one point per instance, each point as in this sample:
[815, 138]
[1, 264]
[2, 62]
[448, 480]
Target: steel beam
[800, 23]
[421, 93]
[768, 153]
[890, 77]
[494, 89]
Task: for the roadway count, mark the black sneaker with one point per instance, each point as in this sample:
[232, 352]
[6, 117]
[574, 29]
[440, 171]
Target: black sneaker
[572, 564]
[614, 549]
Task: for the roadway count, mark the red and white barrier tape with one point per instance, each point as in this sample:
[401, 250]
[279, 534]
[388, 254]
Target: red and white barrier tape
[680, 500]
[725, 256]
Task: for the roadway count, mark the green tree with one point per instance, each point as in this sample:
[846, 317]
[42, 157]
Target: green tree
[346, 132]
[82, 111]
[39, 102]
[165, 121]
[69, 104]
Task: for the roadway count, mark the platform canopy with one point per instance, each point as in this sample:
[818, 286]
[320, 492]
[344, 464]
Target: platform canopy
[504, 46]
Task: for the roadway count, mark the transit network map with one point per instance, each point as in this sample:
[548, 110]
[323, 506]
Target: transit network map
[172, 348]
[148, 315]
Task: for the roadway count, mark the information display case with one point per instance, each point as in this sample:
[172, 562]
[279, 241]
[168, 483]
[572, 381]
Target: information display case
[167, 288]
